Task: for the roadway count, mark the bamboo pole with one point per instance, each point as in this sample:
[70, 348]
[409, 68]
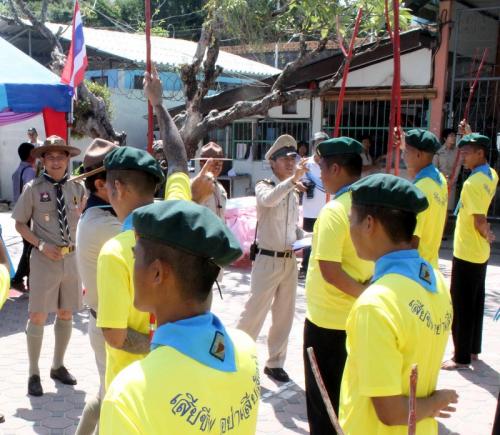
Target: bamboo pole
[322, 390]
[412, 405]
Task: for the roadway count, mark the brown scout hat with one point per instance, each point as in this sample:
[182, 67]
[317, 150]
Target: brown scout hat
[55, 143]
[93, 160]
[211, 150]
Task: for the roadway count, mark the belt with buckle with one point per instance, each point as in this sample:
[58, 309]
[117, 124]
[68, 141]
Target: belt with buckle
[278, 254]
[65, 250]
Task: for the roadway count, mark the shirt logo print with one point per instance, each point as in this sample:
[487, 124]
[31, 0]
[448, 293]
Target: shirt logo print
[45, 197]
[218, 348]
[425, 274]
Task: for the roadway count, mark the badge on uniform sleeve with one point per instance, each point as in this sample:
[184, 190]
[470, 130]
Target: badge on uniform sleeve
[425, 274]
[218, 349]
[45, 197]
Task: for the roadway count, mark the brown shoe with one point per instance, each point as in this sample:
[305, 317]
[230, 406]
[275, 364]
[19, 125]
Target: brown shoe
[35, 386]
[61, 374]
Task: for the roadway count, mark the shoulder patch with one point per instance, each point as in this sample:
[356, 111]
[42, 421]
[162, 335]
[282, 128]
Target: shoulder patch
[218, 348]
[267, 181]
[425, 274]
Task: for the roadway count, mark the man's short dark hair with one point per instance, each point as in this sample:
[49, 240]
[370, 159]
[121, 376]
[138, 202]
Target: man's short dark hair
[352, 163]
[24, 150]
[447, 132]
[195, 275]
[142, 182]
[90, 181]
[398, 224]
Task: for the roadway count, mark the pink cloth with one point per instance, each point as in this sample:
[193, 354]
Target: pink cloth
[7, 117]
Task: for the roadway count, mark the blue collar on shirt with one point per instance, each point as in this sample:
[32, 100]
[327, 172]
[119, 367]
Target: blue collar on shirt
[202, 338]
[485, 169]
[409, 264]
[342, 190]
[430, 171]
[127, 223]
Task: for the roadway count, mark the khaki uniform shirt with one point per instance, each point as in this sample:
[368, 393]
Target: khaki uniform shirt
[277, 214]
[217, 201]
[444, 160]
[38, 202]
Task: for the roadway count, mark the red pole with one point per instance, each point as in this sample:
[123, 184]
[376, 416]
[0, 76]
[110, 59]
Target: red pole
[147, 12]
[340, 103]
[397, 81]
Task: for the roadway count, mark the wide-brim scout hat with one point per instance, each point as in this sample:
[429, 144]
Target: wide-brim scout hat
[93, 160]
[212, 150]
[339, 145]
[386, 190]
[130, 158]
[320, 135]
[188, 227]
[423, 140]
[55, 143]
[285, 145]
[475, 139]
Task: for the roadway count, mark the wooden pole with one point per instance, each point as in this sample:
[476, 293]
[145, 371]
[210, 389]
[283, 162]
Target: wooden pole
[147, 12]
[322, 390]
[412, 405]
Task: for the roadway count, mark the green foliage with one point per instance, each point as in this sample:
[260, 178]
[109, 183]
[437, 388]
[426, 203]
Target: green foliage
[83, 109]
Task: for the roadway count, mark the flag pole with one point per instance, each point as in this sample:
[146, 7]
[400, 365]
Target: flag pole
[147, 10]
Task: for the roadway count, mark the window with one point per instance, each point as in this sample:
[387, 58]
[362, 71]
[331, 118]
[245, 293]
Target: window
[289, 108]
[138, 81]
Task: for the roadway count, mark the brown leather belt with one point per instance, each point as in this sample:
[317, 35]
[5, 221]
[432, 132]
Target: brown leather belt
[278, 254]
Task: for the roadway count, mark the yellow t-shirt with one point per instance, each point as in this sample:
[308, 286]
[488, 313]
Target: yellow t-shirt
[171, 393]
[327, 306]
[4, 284]
[430, 222]
[394, 324]
[115, 285]
[477, 193]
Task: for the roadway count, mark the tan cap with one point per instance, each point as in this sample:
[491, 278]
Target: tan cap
[211, 149]
[55, 143]
[93, 160]
[285, 145]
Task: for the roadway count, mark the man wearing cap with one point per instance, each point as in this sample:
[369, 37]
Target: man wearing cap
[199, 377]
[419, 149]
[471, 251]
[132, 177]
[403, 318]
[336, 277]
[216, 201]
[98, 223]
[53, 203]
[314, 198]
[33, 137]
[274, 273]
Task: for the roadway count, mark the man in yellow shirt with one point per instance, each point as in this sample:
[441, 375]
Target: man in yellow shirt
[419, 149]
[335, 278]
[471, 251]
[403, 318]
[199, 377]
[131, 181]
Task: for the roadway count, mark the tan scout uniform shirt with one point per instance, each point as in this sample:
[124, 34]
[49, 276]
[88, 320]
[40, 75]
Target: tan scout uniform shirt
[217, 201]
[277, 214]
[38, 202]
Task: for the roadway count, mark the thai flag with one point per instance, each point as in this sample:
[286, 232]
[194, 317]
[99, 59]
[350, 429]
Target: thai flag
[76, 62]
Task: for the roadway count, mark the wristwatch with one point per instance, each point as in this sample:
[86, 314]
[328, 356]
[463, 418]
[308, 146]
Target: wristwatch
[40, 246]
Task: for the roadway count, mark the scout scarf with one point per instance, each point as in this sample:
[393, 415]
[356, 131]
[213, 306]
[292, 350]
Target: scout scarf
[485, 169]
[95, 201]
[342, 190]
[202, 338]
[430, 171]
[62, 215]
[127, 223]
[407, 263]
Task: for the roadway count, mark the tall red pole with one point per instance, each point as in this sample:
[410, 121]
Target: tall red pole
[147, 13]
[340, 103]
[397, 80]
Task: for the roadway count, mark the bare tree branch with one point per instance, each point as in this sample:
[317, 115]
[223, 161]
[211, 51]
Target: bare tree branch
[13, 9]
[43, 13]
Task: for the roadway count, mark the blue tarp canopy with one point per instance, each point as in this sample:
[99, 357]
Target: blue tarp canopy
[27, 86]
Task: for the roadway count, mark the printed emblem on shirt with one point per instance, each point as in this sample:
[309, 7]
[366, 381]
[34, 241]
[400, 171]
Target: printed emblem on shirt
[45, 197]
[218, 348]
[425, 273]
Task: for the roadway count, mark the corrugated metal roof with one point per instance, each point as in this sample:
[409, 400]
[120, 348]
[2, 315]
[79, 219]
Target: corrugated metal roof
[166, 52]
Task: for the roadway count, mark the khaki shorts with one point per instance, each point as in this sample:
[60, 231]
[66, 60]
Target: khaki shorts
[54, 285]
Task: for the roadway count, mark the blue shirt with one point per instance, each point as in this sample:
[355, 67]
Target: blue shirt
[27, 172]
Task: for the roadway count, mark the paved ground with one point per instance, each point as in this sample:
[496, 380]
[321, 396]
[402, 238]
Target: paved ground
[283, 406]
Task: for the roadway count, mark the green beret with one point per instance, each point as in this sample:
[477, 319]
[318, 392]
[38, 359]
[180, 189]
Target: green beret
[133, 158]
[188, 227]
[423, 140]
[475, 139]
[385, 190]
[339, 145]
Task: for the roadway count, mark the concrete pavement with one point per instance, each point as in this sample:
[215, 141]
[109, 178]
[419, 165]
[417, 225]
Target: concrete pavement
[282, 410]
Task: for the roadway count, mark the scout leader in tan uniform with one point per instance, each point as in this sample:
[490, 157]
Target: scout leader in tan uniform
[53, 203]
[274, 272]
